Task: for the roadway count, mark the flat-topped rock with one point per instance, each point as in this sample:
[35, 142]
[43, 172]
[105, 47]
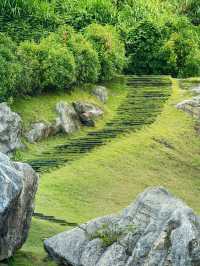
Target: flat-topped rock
[10, 129]
[101, 93]
[157, 229]
[18, 183]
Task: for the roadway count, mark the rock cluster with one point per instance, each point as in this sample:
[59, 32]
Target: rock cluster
[10, 129]
[157, 229]
[70, 118]
[18, 183]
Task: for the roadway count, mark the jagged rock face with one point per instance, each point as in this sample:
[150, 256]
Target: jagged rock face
[18, 183]
[101, 93]
[10, 129]
[68, 120]
[40, 131]
[87, 112]
[191, 106]
[156, 230]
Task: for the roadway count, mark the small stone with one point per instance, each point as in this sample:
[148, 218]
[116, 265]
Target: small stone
[101, 93]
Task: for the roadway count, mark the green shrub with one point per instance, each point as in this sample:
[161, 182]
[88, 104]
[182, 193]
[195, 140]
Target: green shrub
[86, 57]
[58, 65]
[192, 65]
[31, 78]
[181, 56]
[10, 69]
[46, 65]
[143, 44]
[110, 49]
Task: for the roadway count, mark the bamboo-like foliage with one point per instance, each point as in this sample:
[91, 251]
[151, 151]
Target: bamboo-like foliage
[22, 8]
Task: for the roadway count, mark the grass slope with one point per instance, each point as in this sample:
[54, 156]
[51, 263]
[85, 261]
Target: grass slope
[108, 179]
[42, 108]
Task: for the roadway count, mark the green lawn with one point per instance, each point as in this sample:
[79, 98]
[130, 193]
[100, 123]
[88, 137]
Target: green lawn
[109, 178]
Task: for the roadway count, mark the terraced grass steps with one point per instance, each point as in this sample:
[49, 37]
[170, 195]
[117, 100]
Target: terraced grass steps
[145, 98]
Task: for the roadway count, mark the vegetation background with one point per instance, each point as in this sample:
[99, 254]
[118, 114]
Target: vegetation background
[49, 46]
[52, 44]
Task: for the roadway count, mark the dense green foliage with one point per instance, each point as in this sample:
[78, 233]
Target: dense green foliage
[86, 57]
[110, 49]
[9, 67]
[61, 43]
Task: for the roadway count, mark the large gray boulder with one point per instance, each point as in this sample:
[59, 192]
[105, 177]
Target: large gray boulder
[87, 112]
[40, 131]
[18, 183]
[101, 93]
[10, 129]
[68, 120]
[157, 230]
[191, 106]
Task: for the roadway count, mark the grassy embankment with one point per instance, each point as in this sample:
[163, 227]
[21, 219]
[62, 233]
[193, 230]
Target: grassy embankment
[42, 108]
[108, 179]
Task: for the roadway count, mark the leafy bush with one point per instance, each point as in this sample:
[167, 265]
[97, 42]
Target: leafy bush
[110, 49]
[9, 67]
[181, 56]
[58, 65]
[45, 65]
[143, 44]
[192, 65]
[29, 57]
[86, 57]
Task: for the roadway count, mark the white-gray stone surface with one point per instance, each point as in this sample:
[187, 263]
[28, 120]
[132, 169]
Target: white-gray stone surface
[87, 112]
[157, 230]
[10, 129]
[191, 106]
[68, 120]
[41, 131]
[18, 185]
[101, 93]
